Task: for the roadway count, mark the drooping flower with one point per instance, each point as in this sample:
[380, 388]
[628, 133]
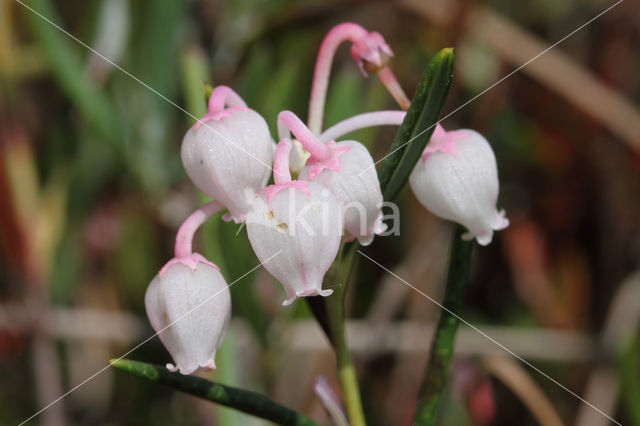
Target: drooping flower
[189, 305]
[457, 179]
[347, 170]
[227, 151]
[296, 228]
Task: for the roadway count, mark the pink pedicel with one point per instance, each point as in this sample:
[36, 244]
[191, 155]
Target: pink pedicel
[281, 173]
[190, 261]
[289, 122]
[184, 238]
[370, 52]
[362, 121]
[331, 162]
[323, 156]
[442, 141]
[221, 96]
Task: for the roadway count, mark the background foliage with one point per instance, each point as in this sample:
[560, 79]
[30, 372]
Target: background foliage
[92, 191]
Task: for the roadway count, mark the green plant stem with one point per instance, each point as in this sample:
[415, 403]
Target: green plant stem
[338, 278]
[242, 400]
[437, 370]
[412, 137]
[629, 371]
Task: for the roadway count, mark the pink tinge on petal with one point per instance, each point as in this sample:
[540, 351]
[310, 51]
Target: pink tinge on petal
[190, 261]
[443, 141]
[332, 162]
[272, 190]
[218, 115]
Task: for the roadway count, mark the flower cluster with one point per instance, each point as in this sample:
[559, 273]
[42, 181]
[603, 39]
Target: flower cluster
[296, 226]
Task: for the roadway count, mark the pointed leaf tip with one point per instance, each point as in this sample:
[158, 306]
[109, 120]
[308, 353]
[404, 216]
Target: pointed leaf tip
[418, 124]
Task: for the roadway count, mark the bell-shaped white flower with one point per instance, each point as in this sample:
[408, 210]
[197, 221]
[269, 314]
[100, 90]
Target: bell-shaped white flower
[457, 179]
[349, 173]
[227, 151]
[295, 228]
[189, 305]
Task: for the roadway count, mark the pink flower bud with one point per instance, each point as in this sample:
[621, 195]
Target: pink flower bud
[457, 179]
[349, 173]
[189, 305]
[371, 53]
[228, 151]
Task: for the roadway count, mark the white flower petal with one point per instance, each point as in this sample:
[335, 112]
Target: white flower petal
[237, 155]
[196, 332]
[462, 187]
[304, 229]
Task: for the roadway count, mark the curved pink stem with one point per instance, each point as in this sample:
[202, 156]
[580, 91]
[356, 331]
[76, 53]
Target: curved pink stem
[223, 95]
[184, 237]
[361, 121]
[393, 87]
[288, 120]
[347, 31]
[281, 173]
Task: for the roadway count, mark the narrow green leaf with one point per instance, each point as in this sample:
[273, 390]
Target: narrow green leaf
[629, 375]
[194, 72]
[242, 400]
[418, 125]
[67, 68]
[437, 371]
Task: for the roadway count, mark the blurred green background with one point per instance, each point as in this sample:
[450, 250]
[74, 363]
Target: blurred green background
[92, 191]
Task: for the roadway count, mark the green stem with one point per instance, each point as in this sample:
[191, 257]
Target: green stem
[242, 400]
[437, 371]
[629, 372]
[339, 274]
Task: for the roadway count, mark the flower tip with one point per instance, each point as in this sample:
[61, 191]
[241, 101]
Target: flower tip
[324, 293]
[366, 240]
[289, 300]
[210, 364]
[500, 221]
[305, 293]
